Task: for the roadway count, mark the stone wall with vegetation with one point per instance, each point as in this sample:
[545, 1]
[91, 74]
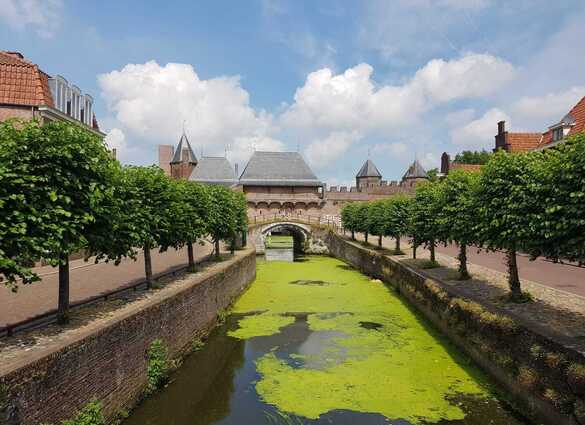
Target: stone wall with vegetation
[543, 376]
[109, 362]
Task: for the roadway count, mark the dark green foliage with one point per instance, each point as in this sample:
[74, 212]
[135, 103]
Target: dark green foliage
[158, 366]
[473, 157]
[423, 215]
[457, 219]
[226, 215]
[91, 414]
[509, 208]
[349, 218]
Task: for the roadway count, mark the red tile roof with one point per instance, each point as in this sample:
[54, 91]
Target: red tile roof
[474, 168]
[22, 82]
[523, 142]
[578, 113]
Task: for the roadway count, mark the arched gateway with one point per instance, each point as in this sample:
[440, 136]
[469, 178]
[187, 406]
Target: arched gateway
[301, 233]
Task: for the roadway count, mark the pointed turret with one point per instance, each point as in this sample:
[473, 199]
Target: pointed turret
[184, 160]
[368, 175]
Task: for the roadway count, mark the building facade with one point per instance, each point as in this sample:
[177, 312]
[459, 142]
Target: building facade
[27, 92]
[282, 182]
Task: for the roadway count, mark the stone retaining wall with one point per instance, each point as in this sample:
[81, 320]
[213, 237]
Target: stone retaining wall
[107, 359]
[544, 377]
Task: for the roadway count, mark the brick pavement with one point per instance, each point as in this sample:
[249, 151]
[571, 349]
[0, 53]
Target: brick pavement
[87, 280]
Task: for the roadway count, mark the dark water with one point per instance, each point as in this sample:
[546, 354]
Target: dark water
[218, 385]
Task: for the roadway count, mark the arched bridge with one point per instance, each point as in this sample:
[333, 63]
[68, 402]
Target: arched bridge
[303, 235]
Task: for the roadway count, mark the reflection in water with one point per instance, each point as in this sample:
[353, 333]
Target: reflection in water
[347, 352]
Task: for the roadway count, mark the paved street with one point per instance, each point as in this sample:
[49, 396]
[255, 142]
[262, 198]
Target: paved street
[87, 280]
[565, 277]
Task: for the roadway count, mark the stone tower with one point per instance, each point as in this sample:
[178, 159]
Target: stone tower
[184, 160]
[368, 176]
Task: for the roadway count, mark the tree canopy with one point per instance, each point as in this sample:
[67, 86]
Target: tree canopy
[473, 157]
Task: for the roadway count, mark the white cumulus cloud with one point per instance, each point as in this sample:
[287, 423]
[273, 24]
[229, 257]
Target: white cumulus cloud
[44, 16]
[152, 102]
[549, 108]
[479, 133]
[323, 152]
[352, 100]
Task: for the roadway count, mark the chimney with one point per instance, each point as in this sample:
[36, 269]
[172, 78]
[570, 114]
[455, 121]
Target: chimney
[445, 163]
[165, 155]
[236, 170]
[501, 127]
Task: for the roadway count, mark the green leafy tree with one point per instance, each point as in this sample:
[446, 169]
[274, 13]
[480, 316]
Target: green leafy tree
[508, 207]
[188, 207]
[423, 214]
[473, 157]
[397, 215]
[433, 174]
[361, 219]
[147, 196]
[457, 218]
[376, 220]
[62, 175]
[560, 188]
[349, 218]
[241, 208]
[222, 219]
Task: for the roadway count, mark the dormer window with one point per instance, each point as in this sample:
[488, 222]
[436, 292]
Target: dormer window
[557, 134]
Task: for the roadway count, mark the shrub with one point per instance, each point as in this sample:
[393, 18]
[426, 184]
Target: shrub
[91, 414]
[576, 378]
[158, 365]
[527, 377]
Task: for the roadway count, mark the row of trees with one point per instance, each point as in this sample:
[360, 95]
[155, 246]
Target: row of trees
[61, 192]
[530, 202]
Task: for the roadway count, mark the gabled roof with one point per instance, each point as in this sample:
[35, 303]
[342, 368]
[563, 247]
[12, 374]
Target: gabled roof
[214, 170]
[368, 170]
[575, 118]
[22, 82]
[278, 169]
[523, 142]
[178, 156]
[415, 171]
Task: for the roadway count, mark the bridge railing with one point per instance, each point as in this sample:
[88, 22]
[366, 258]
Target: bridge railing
[332, 221]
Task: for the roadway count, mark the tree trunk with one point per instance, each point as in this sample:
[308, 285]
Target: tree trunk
[463, 272]
[217, 255]
[397, 244]
[414, 245]
[147, 265]
[63, 309]
[191, 256]
[380, 241]
[432, 249]
[233, 245]
[366, 237]
[352, 235]
[513, 277]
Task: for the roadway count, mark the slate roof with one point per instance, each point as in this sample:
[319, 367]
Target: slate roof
[278, 169]
[415, 171]
[369, 170]
[184, 143]
[22, 82]
[214, 170]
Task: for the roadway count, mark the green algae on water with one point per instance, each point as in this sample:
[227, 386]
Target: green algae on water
[260, 325]
[398, 368]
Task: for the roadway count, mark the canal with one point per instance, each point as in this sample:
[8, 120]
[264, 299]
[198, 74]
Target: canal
[316, 342]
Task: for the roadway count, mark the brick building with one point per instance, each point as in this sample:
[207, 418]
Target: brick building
[282, 182]
[572, 123]
[27, 92]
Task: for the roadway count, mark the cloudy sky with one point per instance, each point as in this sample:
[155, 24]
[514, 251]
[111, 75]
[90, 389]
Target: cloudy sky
[336, 80]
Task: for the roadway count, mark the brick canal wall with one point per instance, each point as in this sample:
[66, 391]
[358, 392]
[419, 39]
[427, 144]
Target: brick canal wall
[107, 359]
[542, 374]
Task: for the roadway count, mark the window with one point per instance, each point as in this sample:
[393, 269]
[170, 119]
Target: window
[557, 134]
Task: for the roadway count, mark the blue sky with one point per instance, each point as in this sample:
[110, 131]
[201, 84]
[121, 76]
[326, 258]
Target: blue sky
[333, 79]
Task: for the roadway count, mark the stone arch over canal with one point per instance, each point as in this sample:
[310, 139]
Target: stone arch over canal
[305, 240]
